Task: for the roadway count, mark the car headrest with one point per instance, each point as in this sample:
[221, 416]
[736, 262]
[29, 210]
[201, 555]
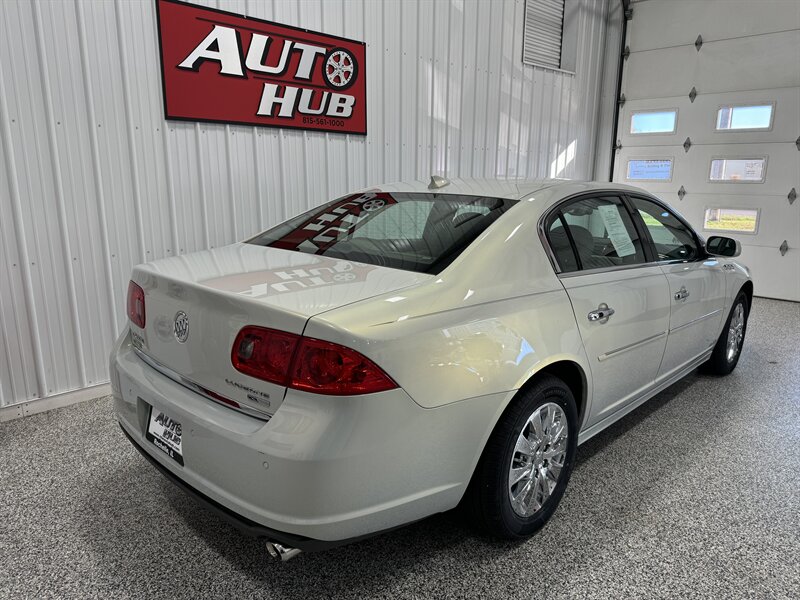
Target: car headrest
[464, 217]
[583, 239]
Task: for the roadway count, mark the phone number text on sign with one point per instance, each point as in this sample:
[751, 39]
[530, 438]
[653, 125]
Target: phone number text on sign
[227, 68]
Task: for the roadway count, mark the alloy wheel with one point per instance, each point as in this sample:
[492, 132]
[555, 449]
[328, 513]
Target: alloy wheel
[735, 333]
[538, 459]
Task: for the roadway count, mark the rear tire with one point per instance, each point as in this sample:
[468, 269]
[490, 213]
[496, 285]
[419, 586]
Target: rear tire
[729, 345]
[533, 443]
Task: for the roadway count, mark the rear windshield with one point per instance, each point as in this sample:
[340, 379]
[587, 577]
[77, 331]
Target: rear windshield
[421, 232]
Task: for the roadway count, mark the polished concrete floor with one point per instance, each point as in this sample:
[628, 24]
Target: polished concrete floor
[696, 494]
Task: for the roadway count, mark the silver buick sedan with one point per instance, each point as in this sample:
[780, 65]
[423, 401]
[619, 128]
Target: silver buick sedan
[413, 347]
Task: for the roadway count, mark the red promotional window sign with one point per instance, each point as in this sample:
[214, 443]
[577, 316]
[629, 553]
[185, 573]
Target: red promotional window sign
[338, 220]
[228, 68]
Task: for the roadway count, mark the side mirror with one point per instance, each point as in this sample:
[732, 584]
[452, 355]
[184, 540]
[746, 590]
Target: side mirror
[723, 246]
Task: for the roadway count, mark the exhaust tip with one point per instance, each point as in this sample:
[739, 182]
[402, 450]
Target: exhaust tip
[281, 552]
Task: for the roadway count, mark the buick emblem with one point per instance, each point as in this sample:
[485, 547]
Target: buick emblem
[181, 326]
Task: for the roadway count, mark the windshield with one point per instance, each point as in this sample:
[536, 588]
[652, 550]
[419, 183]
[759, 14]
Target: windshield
[421, 232]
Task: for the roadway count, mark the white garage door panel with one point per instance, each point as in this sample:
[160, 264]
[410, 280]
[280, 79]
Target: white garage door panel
[692, 169]
[750, 55]
[698, 120]
[728, 65]
[774, 276]
[654, 25]
[777, 221]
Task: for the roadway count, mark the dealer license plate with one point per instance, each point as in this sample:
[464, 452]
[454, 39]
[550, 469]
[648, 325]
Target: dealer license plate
[165, 433]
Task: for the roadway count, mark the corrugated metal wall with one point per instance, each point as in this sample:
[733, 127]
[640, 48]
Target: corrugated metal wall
[93, 180]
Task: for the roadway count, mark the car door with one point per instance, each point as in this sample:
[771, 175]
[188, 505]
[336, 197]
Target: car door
[620, 299]
[696, 281]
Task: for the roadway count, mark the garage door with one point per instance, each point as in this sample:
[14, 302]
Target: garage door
[711, 123]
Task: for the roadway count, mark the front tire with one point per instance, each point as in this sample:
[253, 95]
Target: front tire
[527, 462]
[729, 345]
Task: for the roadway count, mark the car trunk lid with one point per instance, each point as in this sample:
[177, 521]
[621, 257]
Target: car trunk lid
[196, 304]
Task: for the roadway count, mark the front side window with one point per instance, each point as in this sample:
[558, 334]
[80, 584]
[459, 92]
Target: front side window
[672, 238]
[594, 233]
[421, 232]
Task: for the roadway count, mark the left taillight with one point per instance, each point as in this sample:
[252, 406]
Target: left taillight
[264, 353]
[136, 311]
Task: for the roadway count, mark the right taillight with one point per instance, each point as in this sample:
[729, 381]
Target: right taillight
[326, 368]
[136, 312]
[306, 364]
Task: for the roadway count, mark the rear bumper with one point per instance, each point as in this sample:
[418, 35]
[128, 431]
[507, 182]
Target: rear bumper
[246, 526]
[323, 471]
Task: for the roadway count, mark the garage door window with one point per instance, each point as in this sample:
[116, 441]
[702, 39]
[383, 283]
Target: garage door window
[744, 118]
[738, 170]
[672, 238]
[654, 121]
[649, 169]
[594, 233]
[739, 220]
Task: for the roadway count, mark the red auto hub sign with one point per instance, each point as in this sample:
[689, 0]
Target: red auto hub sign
[227, 68]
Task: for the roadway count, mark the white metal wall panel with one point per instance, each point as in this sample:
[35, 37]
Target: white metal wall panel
[93, 180]
[750, 55]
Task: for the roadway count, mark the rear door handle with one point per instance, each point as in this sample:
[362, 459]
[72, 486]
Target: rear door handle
[602, 314]
[681, 294]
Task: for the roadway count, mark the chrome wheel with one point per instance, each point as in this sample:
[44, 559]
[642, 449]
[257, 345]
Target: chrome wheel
[538, 459]
[735, 333]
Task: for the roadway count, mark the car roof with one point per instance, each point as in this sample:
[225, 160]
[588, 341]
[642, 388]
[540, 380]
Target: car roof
[502, 188]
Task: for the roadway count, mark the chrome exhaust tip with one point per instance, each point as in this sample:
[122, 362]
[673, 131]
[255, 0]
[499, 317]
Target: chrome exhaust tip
[281, 552]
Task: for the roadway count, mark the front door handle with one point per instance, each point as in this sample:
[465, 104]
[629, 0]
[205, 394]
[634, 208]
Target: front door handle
[681, 294]
[601, 315]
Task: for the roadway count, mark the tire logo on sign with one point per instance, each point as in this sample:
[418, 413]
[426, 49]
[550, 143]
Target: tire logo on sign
[340, 69]
[181, 326]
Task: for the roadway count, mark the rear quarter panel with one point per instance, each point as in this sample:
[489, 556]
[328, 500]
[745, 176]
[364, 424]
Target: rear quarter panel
[485, 325]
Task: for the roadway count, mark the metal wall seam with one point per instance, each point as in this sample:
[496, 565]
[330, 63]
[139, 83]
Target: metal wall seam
[22, 243]
[95, 158]
[134, 166]
[58, 182]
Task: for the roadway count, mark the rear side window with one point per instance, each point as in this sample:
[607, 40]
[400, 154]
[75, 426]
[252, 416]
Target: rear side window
[673, 239]
[594, 233]
[421, 232]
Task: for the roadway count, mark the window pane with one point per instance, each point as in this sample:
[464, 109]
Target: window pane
[731, 219]
[602, 233]
[404, 220]
[421, 232]
[650, 170]
[737, 169]
[654, 122]
[673, 240]
[744, 117]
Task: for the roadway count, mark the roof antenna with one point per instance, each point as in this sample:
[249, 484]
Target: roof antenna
[437, 182]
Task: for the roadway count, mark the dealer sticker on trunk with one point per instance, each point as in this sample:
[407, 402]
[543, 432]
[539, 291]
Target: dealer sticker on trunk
[165, 433]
